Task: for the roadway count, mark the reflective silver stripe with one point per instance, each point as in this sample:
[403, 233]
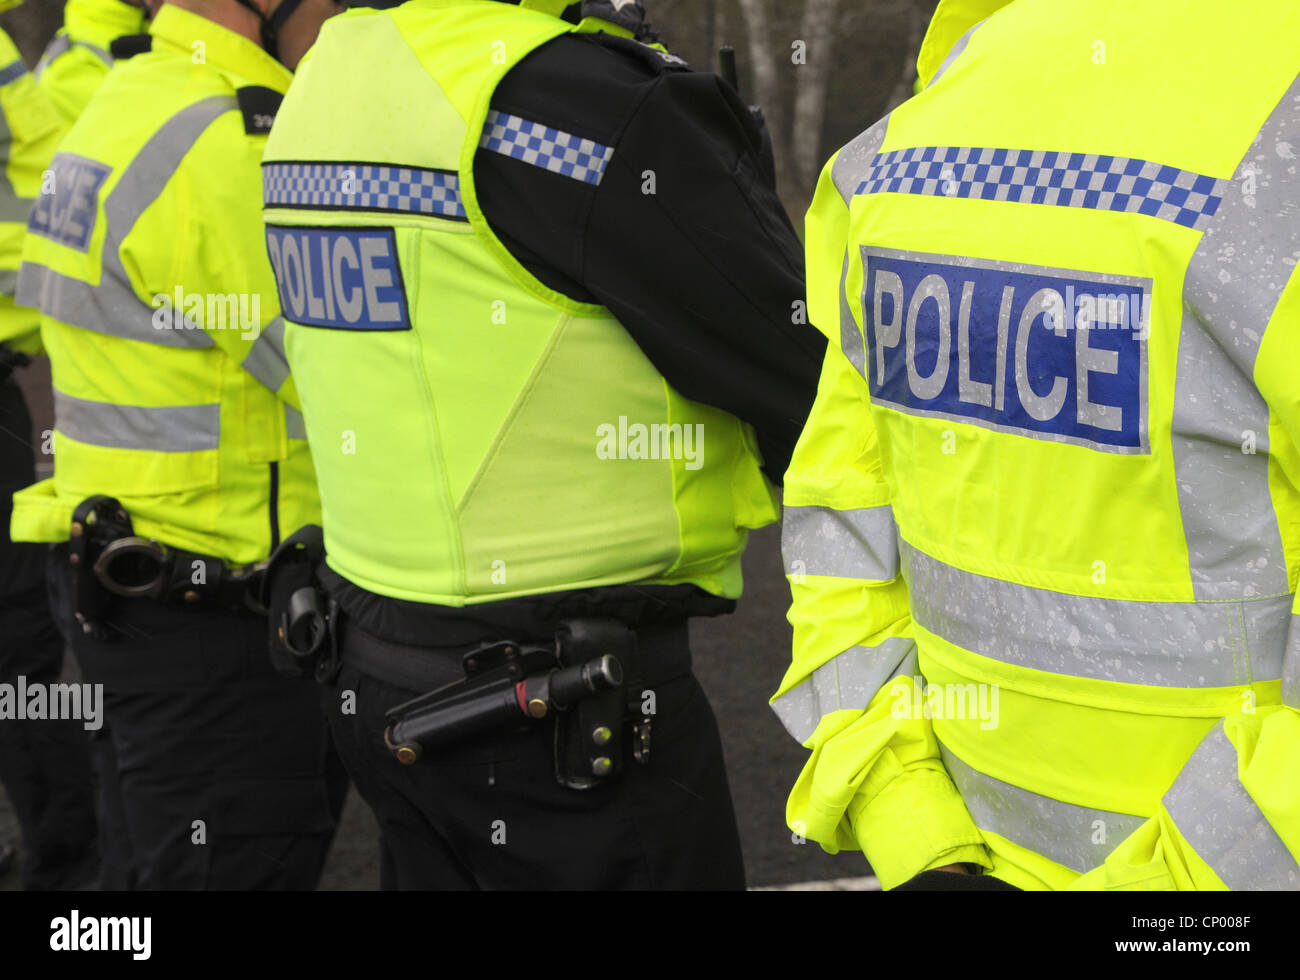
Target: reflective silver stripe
[841, 543]
[172, 429]
[61, 45]
[846, 172]
[852, 340]
[96, 50]
[12, 72]
[112, 307]
[266, 361]
[1078, 837]
[848, 682]
[1234, 282]
[8, 281]
[955, 53]
[1222, 823]
[1162, 644]
[57, 47]
[856, 158]
[12, 207]
[294, 423]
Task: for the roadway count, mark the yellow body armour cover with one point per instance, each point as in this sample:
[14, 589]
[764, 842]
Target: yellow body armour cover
[478, 436]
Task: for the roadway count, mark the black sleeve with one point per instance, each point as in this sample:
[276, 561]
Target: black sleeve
[684, 238]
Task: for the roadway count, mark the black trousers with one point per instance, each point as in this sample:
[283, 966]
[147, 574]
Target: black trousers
[44, 765]
[490, 815]
[217, 772]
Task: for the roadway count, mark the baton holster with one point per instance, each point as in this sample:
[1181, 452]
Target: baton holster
[589, 737]
[301, 616]
[581, 681]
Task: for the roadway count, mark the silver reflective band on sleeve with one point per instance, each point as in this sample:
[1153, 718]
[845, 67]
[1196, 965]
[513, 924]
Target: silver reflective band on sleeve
[1234, 282]
[294, 423]
[57, 47]
[1219, 819]
[1161, 644]
[847, 682]
[12, 207]
[170, 429]
[61, 45]
[265, 360]
[97, 51]
[859, 544]
[8, 281]
[1078, 837]
[112, 307]
[12, 72]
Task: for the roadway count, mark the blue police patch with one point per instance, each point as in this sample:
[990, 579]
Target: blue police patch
[341, 278]
[1049, 353]
[67, 214]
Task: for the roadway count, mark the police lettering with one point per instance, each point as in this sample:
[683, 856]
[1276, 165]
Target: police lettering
[339, 278]
[1048, 352]
[67, 214]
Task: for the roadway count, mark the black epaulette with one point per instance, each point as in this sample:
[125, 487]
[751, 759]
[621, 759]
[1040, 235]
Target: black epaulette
[130, 45]
[259, 105]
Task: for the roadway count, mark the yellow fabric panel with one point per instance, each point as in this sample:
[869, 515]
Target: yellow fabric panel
[952, 19]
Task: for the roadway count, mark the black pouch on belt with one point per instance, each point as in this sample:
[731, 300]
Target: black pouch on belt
[298, 611]
[589, 735]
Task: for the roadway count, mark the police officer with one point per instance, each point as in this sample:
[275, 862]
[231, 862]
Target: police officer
[80, 54]
[180, 452]
[545, 315]
[44, 763]
[1045, 504]
[71, 68]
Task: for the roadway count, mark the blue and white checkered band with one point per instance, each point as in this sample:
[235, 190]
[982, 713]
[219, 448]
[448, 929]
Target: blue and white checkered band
[1077, 180]
[542, 146]
[363, 187]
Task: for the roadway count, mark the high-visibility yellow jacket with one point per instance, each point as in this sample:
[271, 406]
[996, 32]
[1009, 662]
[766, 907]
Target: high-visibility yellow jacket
[1043, 526]
[77, 57]
[456, 469]
[158, 308]
[29, 132]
